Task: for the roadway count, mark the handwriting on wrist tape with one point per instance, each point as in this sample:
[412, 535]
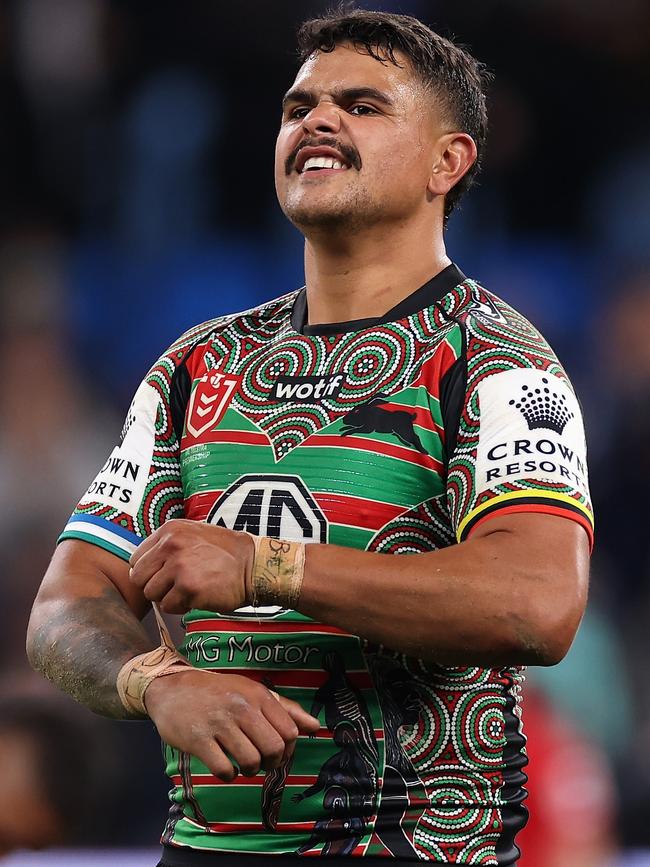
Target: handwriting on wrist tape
[277, 573]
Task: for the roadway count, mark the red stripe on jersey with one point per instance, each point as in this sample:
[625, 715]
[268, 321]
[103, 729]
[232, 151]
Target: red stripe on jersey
[297, 677]
[327, 734]
[357, 511]
[240, 437]
[196, 364]
[369, 445]
[434, 369]
[197, 507]
[256, 628]
[337, 508]
[543, 508]
[211, 780]
[230, 827]
[358, 850]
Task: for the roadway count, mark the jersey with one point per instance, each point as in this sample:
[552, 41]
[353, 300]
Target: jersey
[397, 435]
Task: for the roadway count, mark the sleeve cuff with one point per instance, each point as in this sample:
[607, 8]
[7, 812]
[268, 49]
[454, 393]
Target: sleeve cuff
[547, 502]
[104, 534]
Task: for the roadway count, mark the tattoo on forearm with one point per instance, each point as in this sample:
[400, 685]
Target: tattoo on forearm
[81, 647]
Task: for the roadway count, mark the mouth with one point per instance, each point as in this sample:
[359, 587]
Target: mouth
[319, 161]
[323, 165]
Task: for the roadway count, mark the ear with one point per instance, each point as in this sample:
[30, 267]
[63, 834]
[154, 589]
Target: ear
[455, 155]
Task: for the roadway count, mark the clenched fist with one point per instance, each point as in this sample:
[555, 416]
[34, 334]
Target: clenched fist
[213, 715]
[189, 564]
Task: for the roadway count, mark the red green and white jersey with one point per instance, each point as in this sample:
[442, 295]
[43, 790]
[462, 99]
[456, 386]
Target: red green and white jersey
[396, 435]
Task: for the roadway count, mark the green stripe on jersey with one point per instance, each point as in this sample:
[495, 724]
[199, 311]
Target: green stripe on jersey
[342, 469]
[95, 540]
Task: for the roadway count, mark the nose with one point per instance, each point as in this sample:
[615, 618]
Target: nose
[323, 118]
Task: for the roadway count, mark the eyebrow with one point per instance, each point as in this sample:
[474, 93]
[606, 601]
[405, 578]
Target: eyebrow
[347, 94]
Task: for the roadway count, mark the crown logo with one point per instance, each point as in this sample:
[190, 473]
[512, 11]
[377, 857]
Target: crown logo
[542, 407]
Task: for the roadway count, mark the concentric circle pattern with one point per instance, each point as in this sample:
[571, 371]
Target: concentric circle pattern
[478, 730]
[383, 361]
[425, 528]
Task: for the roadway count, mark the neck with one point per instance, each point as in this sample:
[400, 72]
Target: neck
[360, 275]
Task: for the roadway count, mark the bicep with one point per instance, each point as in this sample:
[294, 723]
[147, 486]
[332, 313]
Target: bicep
[560, 543]
[549, 556]
[80, 568]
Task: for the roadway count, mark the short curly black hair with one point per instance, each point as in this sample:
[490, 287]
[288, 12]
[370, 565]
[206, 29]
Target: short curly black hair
[448, 70]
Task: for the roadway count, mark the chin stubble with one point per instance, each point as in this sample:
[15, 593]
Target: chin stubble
[357, 211]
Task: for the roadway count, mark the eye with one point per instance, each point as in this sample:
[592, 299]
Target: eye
[361, 108]
[299, 112]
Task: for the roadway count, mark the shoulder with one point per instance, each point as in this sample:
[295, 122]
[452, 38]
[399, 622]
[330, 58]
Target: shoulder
[470, 304]
[271, 314]
[497, 337]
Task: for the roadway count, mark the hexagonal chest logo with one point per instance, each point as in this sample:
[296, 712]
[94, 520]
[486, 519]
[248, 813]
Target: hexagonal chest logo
[271, 505]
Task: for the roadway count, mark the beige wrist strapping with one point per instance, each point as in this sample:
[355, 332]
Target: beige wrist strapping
[277, 573]
[276, 579]
[135, 675]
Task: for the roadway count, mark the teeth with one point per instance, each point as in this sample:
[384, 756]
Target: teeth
[322, 163]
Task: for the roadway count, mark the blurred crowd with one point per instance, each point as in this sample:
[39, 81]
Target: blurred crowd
[136, 155]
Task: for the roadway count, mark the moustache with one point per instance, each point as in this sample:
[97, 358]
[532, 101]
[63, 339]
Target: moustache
[349, 154]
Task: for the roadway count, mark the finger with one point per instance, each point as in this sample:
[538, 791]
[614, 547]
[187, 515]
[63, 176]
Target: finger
[283, 723]
[145, 546]
[242, 749]
[175, 602]
[306, 723]
[158, 586]
[289, 750]
[148, 563]
[268, 741]
[280, 719]
[216, 761]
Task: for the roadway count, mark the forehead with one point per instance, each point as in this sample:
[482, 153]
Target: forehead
[347, 67]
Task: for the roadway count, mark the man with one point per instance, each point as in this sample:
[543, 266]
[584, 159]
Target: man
[363, 705]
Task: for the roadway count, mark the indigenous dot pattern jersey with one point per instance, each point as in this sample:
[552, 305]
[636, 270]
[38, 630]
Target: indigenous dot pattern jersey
[398, 435]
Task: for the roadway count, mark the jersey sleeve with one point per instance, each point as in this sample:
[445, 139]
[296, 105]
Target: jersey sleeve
[138, 488]
[517, 429]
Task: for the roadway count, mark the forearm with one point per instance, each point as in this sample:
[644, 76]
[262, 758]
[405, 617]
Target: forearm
[80, 640]
[464, 605]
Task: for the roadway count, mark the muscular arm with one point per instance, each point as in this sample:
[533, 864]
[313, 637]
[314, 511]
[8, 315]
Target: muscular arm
[513, 593]
[83, 628]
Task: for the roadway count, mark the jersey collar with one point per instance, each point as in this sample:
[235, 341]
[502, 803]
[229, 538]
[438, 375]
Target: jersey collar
[433, 290]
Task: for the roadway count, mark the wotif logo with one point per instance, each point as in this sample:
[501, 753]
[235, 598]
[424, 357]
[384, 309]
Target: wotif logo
[306, 389]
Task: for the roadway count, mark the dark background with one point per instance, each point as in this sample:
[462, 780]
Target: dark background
[136, 199]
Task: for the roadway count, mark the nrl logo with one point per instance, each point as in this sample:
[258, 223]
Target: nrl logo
[209, 401]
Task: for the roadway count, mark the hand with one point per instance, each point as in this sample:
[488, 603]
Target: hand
[188, 564]
[209, 714]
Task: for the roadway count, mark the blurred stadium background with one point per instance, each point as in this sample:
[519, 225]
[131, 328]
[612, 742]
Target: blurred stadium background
[137, 199]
